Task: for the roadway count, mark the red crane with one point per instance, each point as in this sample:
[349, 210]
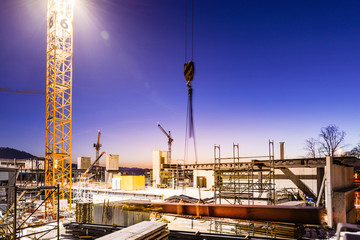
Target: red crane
[97, 147]
[92, 165]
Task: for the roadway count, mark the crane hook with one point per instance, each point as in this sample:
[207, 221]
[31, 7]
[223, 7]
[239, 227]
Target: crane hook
[189, 71]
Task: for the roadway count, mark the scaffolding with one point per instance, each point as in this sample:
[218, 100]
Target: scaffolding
[244, 180]
[25, 215]
[177, 173]
[81, 194]
[174, 174]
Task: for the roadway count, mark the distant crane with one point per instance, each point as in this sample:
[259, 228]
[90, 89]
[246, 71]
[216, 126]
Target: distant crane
[92, 165]
[97, 147]
[170, 140]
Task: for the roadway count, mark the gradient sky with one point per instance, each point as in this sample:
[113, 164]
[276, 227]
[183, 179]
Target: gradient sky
[265, 69]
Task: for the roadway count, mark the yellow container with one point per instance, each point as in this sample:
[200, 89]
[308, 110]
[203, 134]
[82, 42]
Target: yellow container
[131, 183]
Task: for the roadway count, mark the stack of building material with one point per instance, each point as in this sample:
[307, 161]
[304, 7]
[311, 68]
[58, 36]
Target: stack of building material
[139, 231]
[84, 212]
[119, 213]
[75, 230]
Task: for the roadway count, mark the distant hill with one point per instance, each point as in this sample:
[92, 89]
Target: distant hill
[14, 153]
[134, 171]
[128, 170]
[11, 153]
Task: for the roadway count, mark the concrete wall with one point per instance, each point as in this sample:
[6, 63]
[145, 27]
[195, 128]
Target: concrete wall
[208, 174]
[344, 206]
[343, 177]
[339, 206]
[159, 157]
[31, 164]
[83, 162]
[112, 162]
[115, 214]
[25, 163]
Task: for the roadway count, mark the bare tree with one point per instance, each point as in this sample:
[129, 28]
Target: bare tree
[355, 152]
[330, 139]
[311, 146]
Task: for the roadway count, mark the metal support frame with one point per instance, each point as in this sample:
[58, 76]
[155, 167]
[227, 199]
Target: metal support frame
[298, 183]
[254, 181]
[81, 193]
[58, 100]
[30, 176]
[177, 173]
[256, 228]
[25, 198]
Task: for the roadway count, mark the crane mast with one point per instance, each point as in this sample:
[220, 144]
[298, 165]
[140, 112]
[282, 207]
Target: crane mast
[58, 130]
[170, 140]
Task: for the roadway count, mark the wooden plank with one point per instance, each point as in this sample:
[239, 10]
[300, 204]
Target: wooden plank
[142, 230]
[154, 235]
[164, 235]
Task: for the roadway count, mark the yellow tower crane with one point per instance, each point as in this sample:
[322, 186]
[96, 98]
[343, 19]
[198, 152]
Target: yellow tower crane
[59, 60]
[170, 140]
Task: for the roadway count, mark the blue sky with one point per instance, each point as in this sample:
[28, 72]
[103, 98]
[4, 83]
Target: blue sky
[265, 70]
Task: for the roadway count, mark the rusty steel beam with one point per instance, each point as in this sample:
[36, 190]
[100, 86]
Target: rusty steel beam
[289, 163]
[297, 181]
[289, 214]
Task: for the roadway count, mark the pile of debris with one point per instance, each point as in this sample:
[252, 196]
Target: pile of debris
[187, 199]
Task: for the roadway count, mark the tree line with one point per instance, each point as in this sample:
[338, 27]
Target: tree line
[330, 141]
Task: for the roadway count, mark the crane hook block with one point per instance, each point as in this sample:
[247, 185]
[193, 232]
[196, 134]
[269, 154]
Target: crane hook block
[189, 71]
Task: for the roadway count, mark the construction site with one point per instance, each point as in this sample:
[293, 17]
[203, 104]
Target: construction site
[266, 196]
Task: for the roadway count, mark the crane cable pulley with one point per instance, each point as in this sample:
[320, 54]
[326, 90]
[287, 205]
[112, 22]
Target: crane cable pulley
[189, 75]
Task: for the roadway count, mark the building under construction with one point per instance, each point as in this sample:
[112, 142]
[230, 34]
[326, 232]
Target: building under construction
[231, 197]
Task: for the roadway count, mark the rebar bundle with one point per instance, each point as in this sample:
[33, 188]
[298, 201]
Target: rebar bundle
[84, 212]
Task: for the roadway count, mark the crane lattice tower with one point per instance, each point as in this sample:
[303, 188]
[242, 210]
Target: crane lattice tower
[59, 60]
